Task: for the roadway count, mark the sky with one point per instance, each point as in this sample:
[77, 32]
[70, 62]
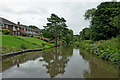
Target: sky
[36, 12]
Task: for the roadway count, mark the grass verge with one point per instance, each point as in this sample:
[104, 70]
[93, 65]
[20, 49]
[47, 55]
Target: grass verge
[17, 43]
[105, 49]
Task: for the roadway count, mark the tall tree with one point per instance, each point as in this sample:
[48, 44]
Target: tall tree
[89, 14]
[56, 26]
[85, 34]
[101, 18]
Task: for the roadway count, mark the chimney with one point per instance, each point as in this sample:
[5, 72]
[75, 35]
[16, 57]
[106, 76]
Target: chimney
[18, 23]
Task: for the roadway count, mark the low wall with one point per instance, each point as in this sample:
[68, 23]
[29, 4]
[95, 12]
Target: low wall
[19, 52]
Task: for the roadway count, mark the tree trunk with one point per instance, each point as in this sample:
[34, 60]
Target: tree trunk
[56, 39]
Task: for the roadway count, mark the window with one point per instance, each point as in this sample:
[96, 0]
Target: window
[30, 29]
[14, 28]
[6, 26]
[24, 29]
[3, 25]
[27, 29]
[18, 28]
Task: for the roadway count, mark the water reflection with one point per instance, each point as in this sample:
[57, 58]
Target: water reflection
[56, 60]
[18, 59]
[98, 68]
[62, 62]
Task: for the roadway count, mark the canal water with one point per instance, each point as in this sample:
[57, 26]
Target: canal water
[62, 62]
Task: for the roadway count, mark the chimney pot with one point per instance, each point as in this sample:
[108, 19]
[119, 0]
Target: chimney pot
[18, 23]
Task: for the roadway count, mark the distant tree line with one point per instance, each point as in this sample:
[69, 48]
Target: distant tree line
[104, 22]
[33, 26]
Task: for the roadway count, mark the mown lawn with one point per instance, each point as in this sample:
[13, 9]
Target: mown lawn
[11, 43]
[33, 40]
[17, 43]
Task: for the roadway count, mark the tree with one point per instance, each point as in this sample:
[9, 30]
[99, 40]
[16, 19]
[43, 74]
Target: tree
[34, 27]
[85, 34]
[101, 27]
[89, 14]
[68, 37]
[116, 22]
[76, 38]
[56, 26]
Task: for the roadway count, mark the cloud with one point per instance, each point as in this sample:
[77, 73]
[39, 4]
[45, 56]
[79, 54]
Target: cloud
[36, 12]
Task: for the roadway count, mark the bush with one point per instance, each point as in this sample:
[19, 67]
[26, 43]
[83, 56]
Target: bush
[5, 31]
[23, 46]
[76, 44]
[64, 42]
[24, 35]
[88, 41]
[106, 49]
[43, 44]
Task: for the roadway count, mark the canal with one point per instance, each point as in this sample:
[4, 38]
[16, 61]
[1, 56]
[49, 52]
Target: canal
[62, 62]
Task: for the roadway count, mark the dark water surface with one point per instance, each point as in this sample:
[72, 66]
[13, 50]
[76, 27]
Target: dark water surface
[62, 62]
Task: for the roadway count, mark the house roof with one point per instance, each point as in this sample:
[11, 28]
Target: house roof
[25, 26]
[5, 21]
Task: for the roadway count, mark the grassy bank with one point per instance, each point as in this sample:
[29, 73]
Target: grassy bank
[16, 43]
[106, 49]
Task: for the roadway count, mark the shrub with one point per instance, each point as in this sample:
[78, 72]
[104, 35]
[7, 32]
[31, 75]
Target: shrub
[24, 35]
[76, 44]
[64, 42]
[5, 31]
[88, 41]
[106, 49]
[23, 46]
[43, 44]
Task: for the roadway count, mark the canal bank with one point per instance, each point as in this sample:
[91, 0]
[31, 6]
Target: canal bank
[20, 52]
[62, 62]
[18, 43]
[105, 49]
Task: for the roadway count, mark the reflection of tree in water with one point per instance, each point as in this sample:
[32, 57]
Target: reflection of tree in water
[55, 61]
[98, 67]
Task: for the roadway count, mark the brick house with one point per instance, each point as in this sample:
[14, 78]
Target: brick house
[17, 29]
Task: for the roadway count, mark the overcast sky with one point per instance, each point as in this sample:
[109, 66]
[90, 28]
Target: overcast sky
[36, 12]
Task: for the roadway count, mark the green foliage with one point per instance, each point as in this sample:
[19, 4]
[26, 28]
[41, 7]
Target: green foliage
[85, 34]
[56, 26]
[116, 22]
[106, 49]
[75, 38]
[24, 35]
[57, 30]
[88, 41]
[43, 44]
[89, 13]
[104, 20]
[5, 31]
[47, 34]
[34, 27]
[68, 37]
[23, 46]
[76, 44]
